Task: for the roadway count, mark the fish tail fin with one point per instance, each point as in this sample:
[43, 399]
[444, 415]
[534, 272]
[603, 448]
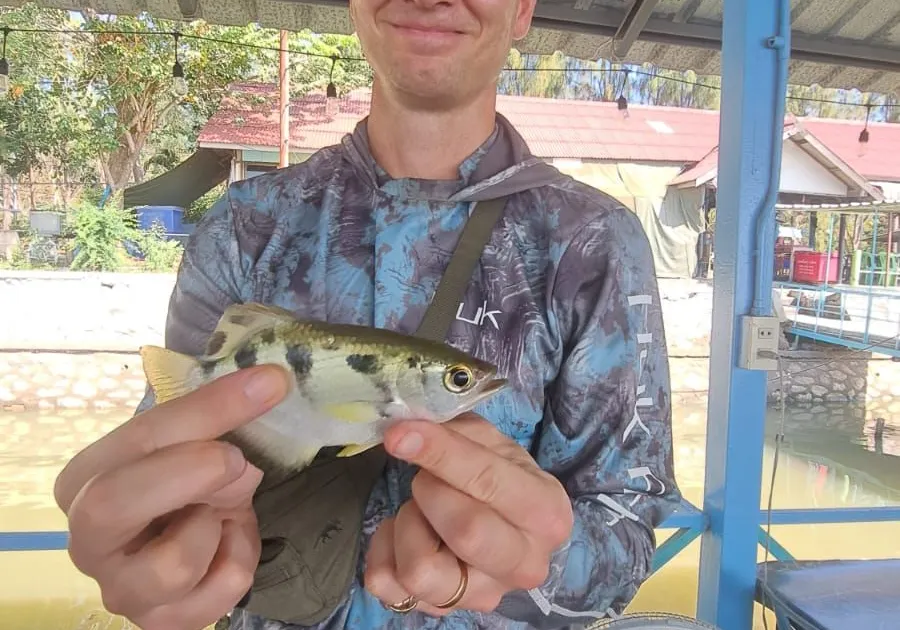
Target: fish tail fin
[167, 371]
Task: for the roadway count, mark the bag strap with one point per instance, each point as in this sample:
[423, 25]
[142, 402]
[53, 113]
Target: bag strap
[476, 233]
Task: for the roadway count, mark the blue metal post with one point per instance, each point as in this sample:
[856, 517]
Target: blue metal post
[755, 47]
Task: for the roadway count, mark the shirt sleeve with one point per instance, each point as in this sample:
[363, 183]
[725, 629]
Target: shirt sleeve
[209, 279]
[607, 431]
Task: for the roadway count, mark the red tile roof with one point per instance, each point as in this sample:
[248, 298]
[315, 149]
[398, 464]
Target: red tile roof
[248, 117]
[794, 131]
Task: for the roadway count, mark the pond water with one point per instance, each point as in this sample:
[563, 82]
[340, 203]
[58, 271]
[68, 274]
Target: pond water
[831, 458]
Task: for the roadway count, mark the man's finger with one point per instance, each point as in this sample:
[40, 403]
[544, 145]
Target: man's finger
[204, 414]
[380, 578]
[517, 494]
[105, 515]
[230, 577]
[170, 565]
[478, 535]
[424, 567]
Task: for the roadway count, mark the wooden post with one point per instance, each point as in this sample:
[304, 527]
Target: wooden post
[284, 103]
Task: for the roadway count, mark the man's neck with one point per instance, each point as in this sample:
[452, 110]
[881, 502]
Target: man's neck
[426, 144]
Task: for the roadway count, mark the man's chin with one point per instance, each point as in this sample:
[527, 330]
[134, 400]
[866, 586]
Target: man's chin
[427, 91]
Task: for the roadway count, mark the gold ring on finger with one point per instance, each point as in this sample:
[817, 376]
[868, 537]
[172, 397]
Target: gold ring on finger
[405, 606]
[460, 590]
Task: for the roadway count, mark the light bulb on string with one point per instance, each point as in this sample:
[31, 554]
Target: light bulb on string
[332, 104]
[622, 101]
[179, 85]
[863, 147]
[4, 66]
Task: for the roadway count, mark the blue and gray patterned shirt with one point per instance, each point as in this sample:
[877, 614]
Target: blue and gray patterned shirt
[564, 302]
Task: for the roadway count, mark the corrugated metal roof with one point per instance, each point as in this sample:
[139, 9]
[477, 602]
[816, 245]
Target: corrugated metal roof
[837, 43]
[589, 130]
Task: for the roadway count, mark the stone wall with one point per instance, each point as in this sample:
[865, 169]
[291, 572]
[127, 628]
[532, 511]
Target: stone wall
[70, 340]
[49, 380]
[830, 375]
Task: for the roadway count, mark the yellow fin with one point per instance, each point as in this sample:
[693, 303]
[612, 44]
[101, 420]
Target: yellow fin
[355, 449]
[352, 412]
[167, 371]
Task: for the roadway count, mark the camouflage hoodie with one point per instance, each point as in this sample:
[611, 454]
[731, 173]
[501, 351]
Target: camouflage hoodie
[564, 301]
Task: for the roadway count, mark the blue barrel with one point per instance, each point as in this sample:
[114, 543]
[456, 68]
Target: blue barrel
[169, 216]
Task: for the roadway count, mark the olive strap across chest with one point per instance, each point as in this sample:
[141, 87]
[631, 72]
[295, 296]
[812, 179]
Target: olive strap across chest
[311, 523]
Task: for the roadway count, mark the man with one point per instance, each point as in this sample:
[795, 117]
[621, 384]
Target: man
[538, 511]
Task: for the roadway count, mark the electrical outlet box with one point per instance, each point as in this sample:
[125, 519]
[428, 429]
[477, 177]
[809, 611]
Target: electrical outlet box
[759, 343]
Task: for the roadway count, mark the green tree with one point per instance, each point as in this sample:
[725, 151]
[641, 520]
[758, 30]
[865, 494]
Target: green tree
[534, 75]
[132, 77]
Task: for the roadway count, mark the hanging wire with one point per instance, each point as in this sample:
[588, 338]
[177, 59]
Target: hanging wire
[335, 58]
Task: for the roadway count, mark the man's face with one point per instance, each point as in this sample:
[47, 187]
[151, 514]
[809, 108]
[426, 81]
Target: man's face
[439, 52]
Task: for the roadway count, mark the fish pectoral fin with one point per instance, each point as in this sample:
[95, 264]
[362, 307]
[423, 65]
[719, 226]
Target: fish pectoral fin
[240, 321]
[167, 371]
[353, 412]
[355, 449]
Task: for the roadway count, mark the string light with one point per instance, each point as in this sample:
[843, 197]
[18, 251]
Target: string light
[179, 85]
[331, 90]
[864, 134]
[622, 102]
[332, 104]
[4, 65]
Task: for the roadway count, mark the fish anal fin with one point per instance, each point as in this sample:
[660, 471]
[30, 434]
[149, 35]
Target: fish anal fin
[168, 372]
[355, 449]
[304, 458]
[353, 412]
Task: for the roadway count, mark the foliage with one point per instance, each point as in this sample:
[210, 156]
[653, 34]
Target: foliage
[132, 77]
[558, 76]
[100, 106]
[311, 73]
[98, 234]
[42, 117]
[160, 254]
[195, 212]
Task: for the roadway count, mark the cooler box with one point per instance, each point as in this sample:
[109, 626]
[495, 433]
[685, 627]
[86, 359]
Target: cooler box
[809, 267]
[169, 216]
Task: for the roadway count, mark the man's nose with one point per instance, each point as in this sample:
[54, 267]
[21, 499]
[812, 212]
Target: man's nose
[431, 4]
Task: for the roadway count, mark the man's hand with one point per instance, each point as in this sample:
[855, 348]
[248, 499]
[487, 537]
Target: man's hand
[478, 498]
[160, 512]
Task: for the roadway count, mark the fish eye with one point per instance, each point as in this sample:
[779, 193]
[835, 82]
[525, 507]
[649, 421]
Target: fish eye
[458, 378]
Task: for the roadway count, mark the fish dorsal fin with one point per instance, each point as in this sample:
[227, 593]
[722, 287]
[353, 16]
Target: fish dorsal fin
[240, 321]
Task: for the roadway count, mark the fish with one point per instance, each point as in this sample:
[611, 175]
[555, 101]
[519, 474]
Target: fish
[348, 383]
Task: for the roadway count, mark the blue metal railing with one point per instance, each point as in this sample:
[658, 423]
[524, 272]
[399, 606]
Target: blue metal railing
[688, 520]
[861, 318]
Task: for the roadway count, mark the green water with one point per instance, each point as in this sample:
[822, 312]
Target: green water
[831, 458]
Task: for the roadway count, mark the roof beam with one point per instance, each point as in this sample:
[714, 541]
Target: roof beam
[632, 25]
[605, 22]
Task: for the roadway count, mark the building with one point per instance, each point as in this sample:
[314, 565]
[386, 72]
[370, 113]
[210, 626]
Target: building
[659, 161]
